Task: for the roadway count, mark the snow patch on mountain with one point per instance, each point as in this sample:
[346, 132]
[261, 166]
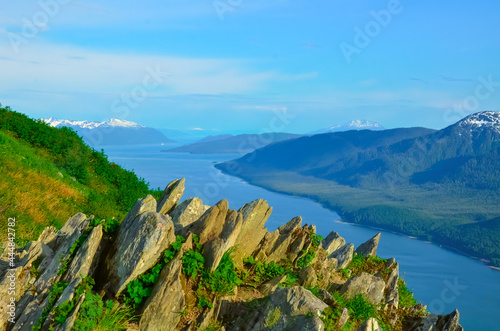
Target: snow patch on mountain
[113, 122]
[481, 120]
[358, 125]
[352, 125]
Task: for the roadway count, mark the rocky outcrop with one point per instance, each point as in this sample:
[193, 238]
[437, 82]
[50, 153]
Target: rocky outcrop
[188, 212]
[255, 215]
[332, 242]
[215, 248]
[435, 322]
[18, 278]
[276, 244]
[210, 224]
[168, 299]
[343, 255]
[293, 308]
[141, 240]
[171, 256]
[35, 298]
[344, 317]
[392, 293]
[171, 196]
[77, 222]
[369, 286]
[308, 277]
[270, 286]
[369, 248]
[86, 257]
[370, 325]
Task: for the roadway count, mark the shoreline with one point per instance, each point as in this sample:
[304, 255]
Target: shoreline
[343, 219]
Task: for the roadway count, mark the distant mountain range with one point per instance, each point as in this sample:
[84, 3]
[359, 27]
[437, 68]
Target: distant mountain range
[352, 125]
[438, 185]
[229, 144]
[467, 151]
[112, 132]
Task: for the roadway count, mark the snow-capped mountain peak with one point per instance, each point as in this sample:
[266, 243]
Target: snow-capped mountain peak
[359, 125]
[352, 125]
[113, 122]
[481, 120]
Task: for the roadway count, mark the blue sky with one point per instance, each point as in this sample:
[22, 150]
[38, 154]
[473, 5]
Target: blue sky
[254, 66]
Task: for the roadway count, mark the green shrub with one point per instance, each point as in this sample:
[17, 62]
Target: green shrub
[192, 263]
[406, 298]
[54, 293]
[224, 279]
[213, 326]
[141, 288]
[115, 319]
[360, 309]
[34, 267]
[308, 255]
[306, 259]
[176, 246]
[370, 264]
[291, 279]
[62, 312]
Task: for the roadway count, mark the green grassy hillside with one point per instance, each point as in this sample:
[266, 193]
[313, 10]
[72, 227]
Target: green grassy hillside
[49, 174]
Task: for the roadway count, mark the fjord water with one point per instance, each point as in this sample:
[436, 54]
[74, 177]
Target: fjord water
[441, 279]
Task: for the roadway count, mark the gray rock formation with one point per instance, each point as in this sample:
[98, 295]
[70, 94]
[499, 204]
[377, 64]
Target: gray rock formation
[371, 287]
[435, 322]
[369, 248]
[171, 196]
[308, 277]
[18, 278]
[76, 222]
[370, 324]
[188, 212]
[255, 215]
[344, 317]
[139, 245]
[287, 233]
[271, 285]
[332, 242]
[291, 308]
[168, 298]
[86, 257]
[326, 297]
[392, 293]
[210, 224]
[343, 255]
[215, 248]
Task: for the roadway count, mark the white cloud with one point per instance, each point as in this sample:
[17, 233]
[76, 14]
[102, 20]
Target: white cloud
[48, 68]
